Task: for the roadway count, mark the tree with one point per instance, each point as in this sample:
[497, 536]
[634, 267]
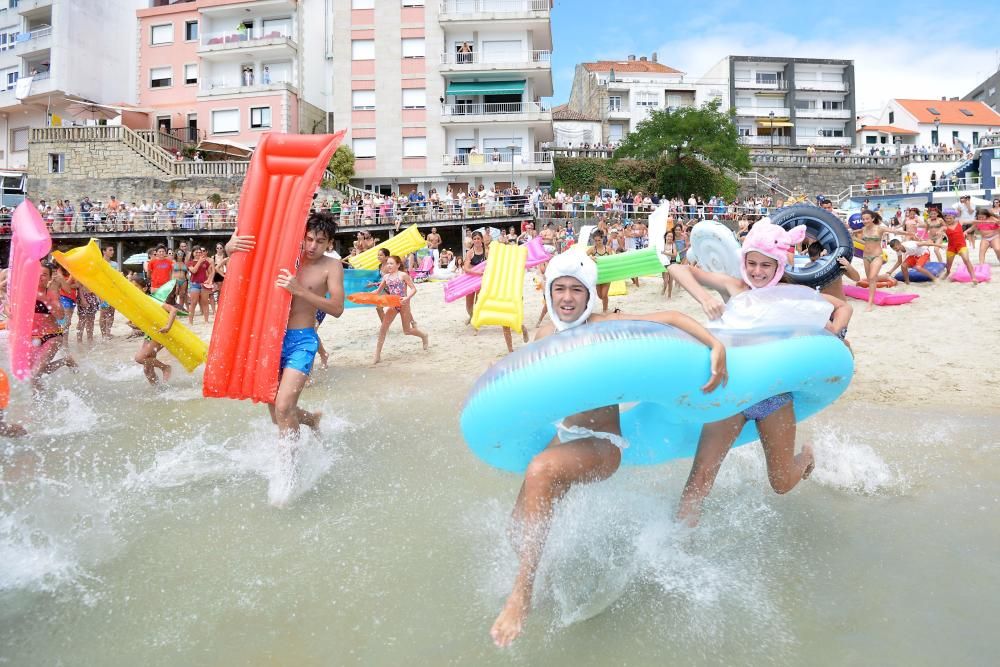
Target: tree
[693, 149]
[341, 166]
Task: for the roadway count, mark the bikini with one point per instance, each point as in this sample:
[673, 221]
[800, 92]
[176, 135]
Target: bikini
[41, 308]
[871, 239]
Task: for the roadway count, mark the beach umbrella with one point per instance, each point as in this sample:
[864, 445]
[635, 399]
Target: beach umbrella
[137, 259]
[92, 110]
[228, 149]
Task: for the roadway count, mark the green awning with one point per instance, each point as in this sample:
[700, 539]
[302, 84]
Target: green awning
[486, 87]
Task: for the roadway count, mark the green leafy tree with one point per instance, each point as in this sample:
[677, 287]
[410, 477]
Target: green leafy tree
[341, 166]
[692, 148]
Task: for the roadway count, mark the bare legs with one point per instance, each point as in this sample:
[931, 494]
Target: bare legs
[285, 411]
[668, 285]
[548, 477]
[200, 298]
[146, 357]
[602, 294]
[985, 245]
[964, 254]
[777, 436]
[409, 328]
[106, 321]
[873, 266]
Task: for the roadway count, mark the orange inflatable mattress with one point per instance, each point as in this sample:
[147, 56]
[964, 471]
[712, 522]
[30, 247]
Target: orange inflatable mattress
[245, 350]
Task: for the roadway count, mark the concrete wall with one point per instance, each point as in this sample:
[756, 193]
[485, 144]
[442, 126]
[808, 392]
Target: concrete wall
[824, 179]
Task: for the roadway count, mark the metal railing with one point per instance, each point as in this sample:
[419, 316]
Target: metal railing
[494, 108]
[781, 84]
[373, 211]
[784, 158]
[757, 140]
[168, 141]
[760, 180]
[462, 7]
[207, 86]
[497, 158]
[763, 112]
[38, 33]
[233, 38]
[477, 57]
[990, 141]
[882, 187]
[586, 215]
[834, 114]
[834, 86]
[105, 220]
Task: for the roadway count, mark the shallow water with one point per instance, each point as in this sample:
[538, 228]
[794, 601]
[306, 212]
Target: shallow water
[138, 526]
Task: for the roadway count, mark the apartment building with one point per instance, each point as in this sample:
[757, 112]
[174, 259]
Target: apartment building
[443, 93]
[786, 102]
[49, 64]
[987, 92]
[623, 93]
[226, 70]
[931, 123]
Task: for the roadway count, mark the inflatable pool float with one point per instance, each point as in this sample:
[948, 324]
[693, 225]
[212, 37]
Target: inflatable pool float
[30, 243]
[936, 269]
[882, 283]
[961, 273]
[632, 264]
[626, 361]
[359, 280]
[88, 266]
[657, 229]
[824, 227]
[881, 298]
[372, 299]
[859, 251]
[501, 298]
[618, 288]
[472, 280]
[4, 390]
[250, 319]
[401, 245]
[715, 248]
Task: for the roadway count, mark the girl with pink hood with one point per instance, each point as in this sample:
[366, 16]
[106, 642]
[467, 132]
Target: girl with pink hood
[766, 252]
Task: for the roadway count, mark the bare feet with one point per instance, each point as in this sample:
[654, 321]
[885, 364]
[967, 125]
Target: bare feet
[377, 360]
[510, 622]
[71, 363]
[311, 419]
[324, 357]
[806, 456]
[870, 308]
[167, 370]
[424, 339]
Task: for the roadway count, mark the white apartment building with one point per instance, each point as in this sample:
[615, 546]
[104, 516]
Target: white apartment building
[622, 93]
[442, 93]
[786, 102]
[55, 53]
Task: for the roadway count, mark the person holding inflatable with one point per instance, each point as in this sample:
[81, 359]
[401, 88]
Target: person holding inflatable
[588, 445]
[956, 245]
[599, 249]
[146, 356]
[474, 256]
[397, 283]
[912, 255]
[46, 333]
[871, 233]
[764, 258]
[317, 277]
[988, 224]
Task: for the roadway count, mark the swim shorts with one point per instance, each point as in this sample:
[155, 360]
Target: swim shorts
[913, 261]
[67, 302]
[765, 408]
[298, 349]
[567, 433]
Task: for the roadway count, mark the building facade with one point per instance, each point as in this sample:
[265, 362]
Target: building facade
[49, 63]
[987, 92]
[443, 93]
[786, 102]
[225, 70]
[621, 94]
[931, 123]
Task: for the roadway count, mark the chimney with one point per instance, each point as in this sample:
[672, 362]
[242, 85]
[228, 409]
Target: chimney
[944, 99]
[642, 58]
[654, 57]
[631, 57]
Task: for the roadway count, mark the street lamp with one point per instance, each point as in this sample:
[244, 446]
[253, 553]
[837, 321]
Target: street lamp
[937, 132]
[770, 115]
[512, 148]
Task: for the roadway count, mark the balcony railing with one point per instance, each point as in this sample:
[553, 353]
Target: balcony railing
[763, 112]
[458, 8]
[26, 37]
[494, 59]
[756, 140]
[835, 114]
[824, 141]
[838, 86]
[234, 39]
[780, 84]
[458, 110]
[500, 160]
[236, 83]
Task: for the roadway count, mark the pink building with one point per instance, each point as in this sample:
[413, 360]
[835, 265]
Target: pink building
[222, 69]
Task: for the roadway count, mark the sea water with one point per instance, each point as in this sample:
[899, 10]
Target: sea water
[152, 526]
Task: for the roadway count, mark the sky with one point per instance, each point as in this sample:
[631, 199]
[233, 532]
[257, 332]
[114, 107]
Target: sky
[901, 49]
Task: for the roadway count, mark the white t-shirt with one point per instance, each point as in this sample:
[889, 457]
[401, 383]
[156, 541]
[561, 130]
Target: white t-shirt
[911, 249]
[964, 215]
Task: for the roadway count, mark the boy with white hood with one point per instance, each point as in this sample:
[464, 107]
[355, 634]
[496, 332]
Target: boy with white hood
[588, 446]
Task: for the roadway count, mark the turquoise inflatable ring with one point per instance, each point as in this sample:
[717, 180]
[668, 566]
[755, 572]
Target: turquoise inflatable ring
[512, 409]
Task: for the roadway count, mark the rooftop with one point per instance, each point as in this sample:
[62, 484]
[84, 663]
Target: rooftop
[888, 129]
[631, 65]
[563, 112]
[951, 112]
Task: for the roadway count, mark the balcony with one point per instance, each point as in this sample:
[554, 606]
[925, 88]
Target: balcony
[36, 41]
[832, 86]
[455, 11]
[498, 163]
[753, 84]
[28, 6]
[830, 114]
[218, 87]
[823, 141]
[511, 61]
[232, 42]
[763, 112]
[493, 112]
[756, 140]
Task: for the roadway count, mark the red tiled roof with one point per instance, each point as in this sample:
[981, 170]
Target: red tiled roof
[630, 66]
[563, 112]
[951, 112]
[888, 129]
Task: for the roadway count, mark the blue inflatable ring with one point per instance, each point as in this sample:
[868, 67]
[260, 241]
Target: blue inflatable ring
[656, 366]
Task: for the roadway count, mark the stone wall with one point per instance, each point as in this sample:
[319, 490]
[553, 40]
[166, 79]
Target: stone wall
[827, 179]
[97, 169]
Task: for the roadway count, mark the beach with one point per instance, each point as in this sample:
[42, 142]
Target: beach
[136, 524]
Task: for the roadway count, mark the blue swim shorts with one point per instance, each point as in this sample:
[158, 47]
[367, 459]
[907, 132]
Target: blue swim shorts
[298, 349]
[758, 411]
[67, 302]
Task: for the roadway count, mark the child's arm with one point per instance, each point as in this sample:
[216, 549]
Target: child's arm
[240, 243]
[841, 316]
[692, 279]
[899, 263]
[172, 315]
[411, 288]
[849, 270]
[54, 304]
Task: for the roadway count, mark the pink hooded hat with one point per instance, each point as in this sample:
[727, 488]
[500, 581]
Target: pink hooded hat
[772, 241]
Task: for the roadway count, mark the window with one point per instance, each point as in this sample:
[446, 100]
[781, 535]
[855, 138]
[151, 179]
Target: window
[362, 4]
[413, 47]
[647, 100]
[12, 79]
[615, 132]
[414, 146]
[225, 120]
[57, 163]
[966, 112]
[805, 104]
[363, 100]
[975, 138]
[8, 38]
[161, 34]
[829, 105]
[260, 117]
[954, 135]
[744, 131]
[934, 111]
[363, 49]
[614, 103]
[414, 98]
[829, 133]
[160, 77]
[364, 148]
[190, 31]
[993, 91]
[892, 117]
[767, 77]
[871, 140]
[276, 28]
[19, 139]
[191, 74]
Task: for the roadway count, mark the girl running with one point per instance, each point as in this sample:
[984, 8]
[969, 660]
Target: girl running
[474, 256]
[871, 235]
[48, 336]
[988, 224]
[397, 283]
[671, 254]
[956, 245]
[146, 356]
[599, 249]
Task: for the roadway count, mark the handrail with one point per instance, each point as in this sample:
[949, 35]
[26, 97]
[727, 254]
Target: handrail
[464, 7]
[761, 179]
[499, 157]
[498, 108]
[212, 168]
[235, 38]
[477, 58]
[168, 141]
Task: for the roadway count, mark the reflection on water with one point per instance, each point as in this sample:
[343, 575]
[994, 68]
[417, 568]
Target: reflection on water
[139, 526]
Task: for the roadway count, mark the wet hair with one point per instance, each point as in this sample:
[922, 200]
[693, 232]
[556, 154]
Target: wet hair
[322, 223]
[815, 250]
[876, 218]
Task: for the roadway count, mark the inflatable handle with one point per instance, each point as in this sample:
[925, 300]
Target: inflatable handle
[30, 243]
[357, 280]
